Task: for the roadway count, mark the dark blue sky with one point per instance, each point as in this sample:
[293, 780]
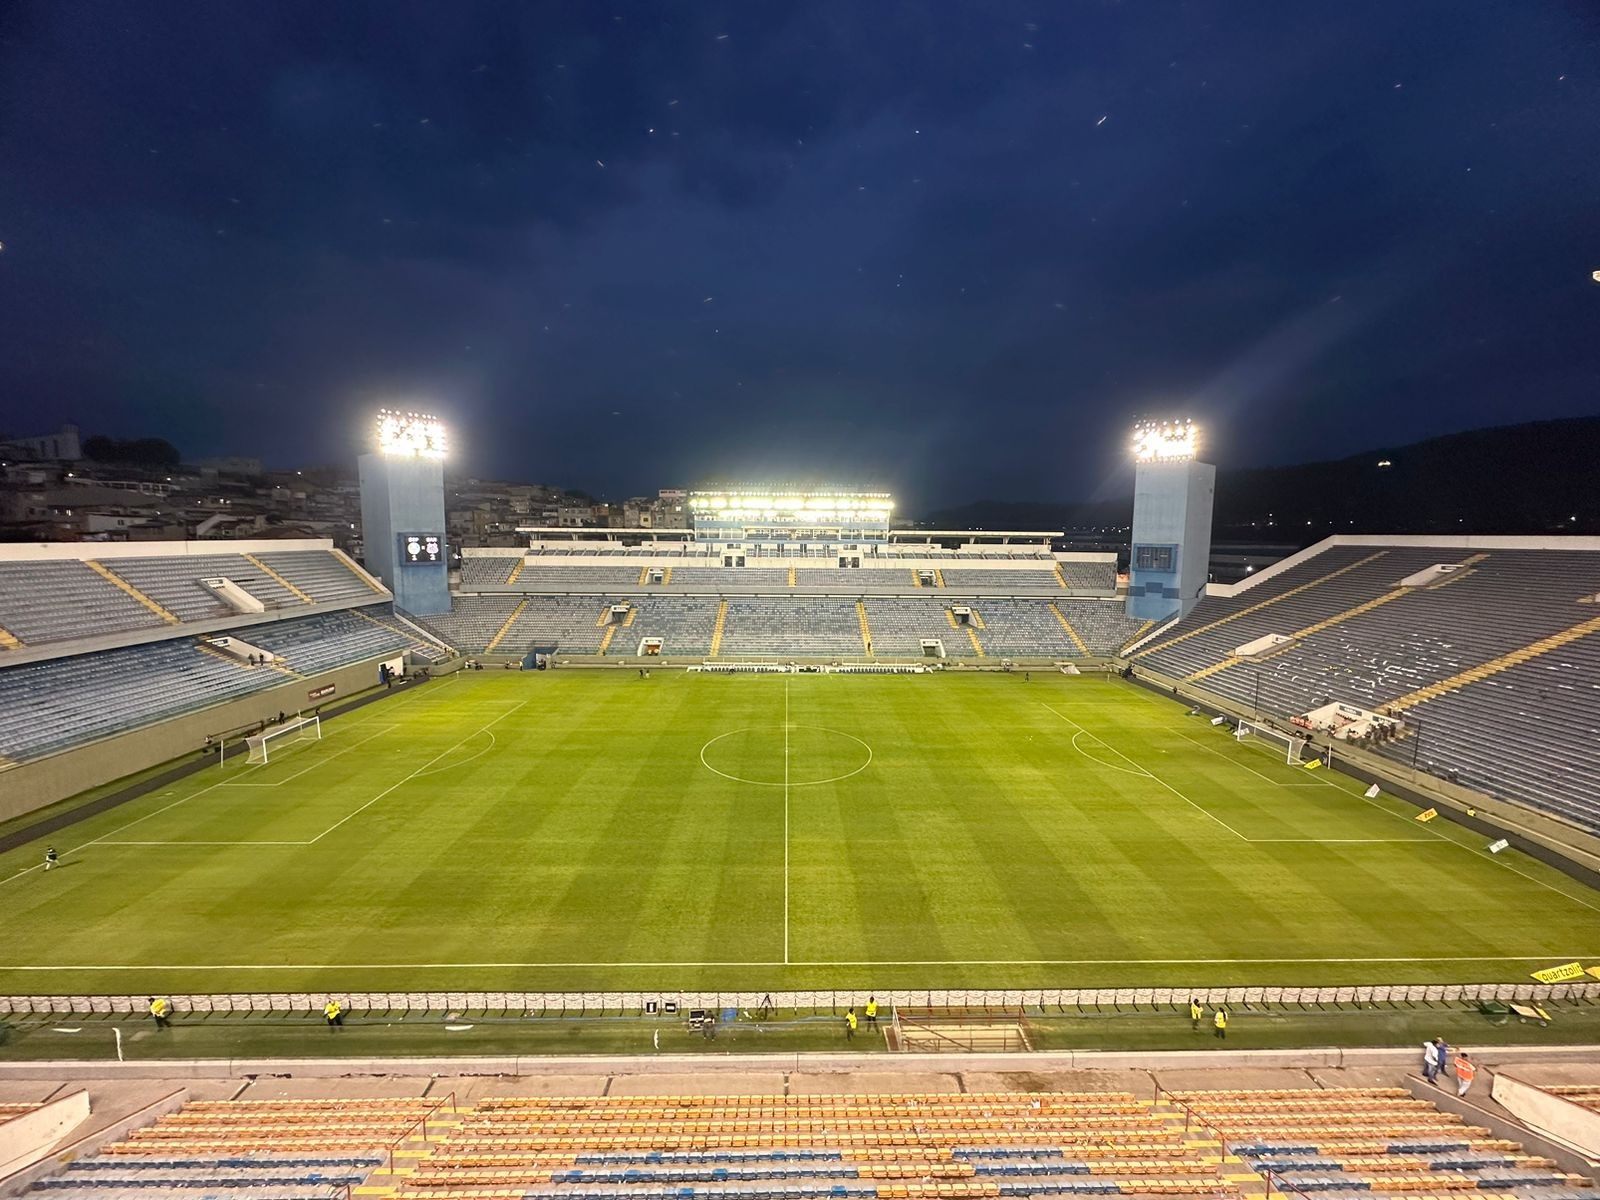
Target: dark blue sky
[951, 247]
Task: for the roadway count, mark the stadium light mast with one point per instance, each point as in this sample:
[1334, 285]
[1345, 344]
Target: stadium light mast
[402, 509]
[1173, 495]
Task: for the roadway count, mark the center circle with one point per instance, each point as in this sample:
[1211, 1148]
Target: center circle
[786, 756]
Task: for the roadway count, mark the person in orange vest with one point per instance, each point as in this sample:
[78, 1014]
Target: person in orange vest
[1465, 1070]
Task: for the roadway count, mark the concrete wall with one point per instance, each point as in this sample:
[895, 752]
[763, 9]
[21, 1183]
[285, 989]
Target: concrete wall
[22, 1179]
[33, 785]
[82, 551]
[1561, 1119]
[25, 1138]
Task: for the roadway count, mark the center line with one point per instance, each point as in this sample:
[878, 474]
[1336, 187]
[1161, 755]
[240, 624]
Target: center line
[785, 820]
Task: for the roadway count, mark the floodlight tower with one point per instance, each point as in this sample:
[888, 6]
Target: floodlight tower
[402, 511]
[1172, 500]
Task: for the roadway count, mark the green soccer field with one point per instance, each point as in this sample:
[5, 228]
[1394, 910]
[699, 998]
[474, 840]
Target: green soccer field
[582, 830]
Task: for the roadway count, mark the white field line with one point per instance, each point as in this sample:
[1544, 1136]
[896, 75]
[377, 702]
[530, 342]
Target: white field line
[312, 766]
[1146, 772]
[204, 843]
[415, 773]
[786, 820]
[1243, 767]
[907, 962]
[1359, 794]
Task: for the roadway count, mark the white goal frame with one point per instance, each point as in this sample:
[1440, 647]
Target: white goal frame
[1288, 743]
[300, 729]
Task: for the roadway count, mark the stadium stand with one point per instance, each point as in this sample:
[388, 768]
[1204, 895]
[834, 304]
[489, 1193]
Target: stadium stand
[485, 570]
[683, 623]
[739, 577]
[1496, 663]
[57, 600]
[174, 583]
[472, 621]
[758, 628]
[577, 578]
[1371, 1140]
[900, 624]
[1090, 577]
[58, 703]
[1002, 579]
[321, 574]
[570, 623]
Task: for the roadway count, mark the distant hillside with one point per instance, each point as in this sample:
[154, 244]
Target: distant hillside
[1517, 479]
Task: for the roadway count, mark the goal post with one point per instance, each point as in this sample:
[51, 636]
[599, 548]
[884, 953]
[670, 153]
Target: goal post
[1254, 732]
[274, 741]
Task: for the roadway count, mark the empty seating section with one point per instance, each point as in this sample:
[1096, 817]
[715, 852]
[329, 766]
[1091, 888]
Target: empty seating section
[730, 577]
[57, 600]
[900, 624]
[320, 574]
[569, 623]
[1090, 577]
[173, 581]
[1527, 734]
[1376, 1141]
[758, 628]
[495, 570]
[331, 640]
[584, 578]
[869, 1147]
[683, 623]
[245, 1150]
[862, 578]
[63, 702]
[472, 621]
[1040, 578]
[49, 706]
[1103, 625]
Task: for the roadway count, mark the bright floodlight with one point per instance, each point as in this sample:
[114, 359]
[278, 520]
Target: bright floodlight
[410, 435]
[1165, 441]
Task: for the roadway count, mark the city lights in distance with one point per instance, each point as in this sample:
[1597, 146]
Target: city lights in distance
[1165, 441]
[410, 435]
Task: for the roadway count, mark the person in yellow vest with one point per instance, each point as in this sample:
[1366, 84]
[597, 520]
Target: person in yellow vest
[872, 1012]
[161, 1011]
[1195, 1013]
[333, 1013]
[850, 1024]
[1465, 1070]
[1219, 1023]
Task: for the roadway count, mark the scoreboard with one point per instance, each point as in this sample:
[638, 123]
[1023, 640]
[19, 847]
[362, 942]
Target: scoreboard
[420, 549]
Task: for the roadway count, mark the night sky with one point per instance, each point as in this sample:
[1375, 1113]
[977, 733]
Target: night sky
[951, 248]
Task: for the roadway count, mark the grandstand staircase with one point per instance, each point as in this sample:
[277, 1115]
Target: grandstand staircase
[280, 580]
[666, 577]
[1268, 603]
[791, 577]
[1060, 578]
[506, 628]
[938, 578]
[516, 571]
[350, 565]
[866, 630]
[605, 641]
[275, 663]
[644, 574]
[1067, 625]
[972, 630]
[1495, 665]
[716, 630]
[916, 578]
[119, 582]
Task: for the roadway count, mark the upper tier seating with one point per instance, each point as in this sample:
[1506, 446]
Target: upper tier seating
[320, 574]
[472, 621]
[1090, 577]
[479, 570]
[730, 577]
[173, 581]
[1038, 578]
[1375, 1141]
[57, 600]
[584, 578]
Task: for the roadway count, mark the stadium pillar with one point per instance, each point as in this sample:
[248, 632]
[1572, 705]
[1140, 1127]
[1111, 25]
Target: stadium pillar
[402, 529]
[1170, 559]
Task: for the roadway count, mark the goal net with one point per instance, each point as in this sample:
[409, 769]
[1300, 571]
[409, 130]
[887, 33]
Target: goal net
[1275, 740]
[275, 741]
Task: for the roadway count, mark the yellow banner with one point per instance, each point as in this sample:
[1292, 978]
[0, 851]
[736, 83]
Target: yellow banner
[1427, 814]
[1595, 971]
[1560, 974]
[1313, 764]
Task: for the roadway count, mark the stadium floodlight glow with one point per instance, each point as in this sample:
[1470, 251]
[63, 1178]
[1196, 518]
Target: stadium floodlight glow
[410, 435]
[1165, 441]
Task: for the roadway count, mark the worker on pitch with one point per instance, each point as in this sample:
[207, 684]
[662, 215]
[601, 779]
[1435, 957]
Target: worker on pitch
[332, 1013]
[1195, 1013]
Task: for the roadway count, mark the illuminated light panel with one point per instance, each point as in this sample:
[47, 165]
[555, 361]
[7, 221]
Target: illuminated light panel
[1165, 441]
[410, 435]
[779, 506]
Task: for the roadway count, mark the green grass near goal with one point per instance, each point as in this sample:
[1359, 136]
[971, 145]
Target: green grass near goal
[583, 830]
